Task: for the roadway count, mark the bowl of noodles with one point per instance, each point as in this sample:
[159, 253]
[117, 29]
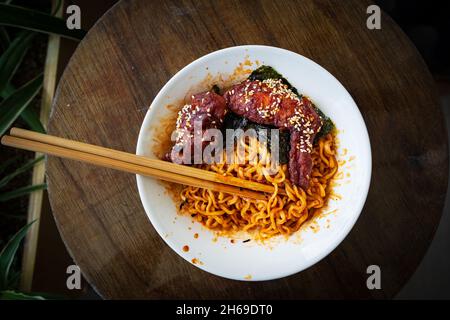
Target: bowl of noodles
[306, 138]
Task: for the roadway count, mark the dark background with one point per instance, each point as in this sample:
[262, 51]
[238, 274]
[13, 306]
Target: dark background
[426, 23]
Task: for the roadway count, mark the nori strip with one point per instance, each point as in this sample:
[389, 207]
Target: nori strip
[327, 126]
[234, 121]
[215, 88]
[267, 72]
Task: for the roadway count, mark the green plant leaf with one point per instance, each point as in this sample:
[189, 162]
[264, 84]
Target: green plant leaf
[34, 20]
[9, 89]
[8, 253]
[13, 279]
[19, 192]
[27, 166]
[12, 106]
[15, 295]
[4, 38]
[49, 296]
[13, 56]
[58, 5]
[32, 120]
[28, 115]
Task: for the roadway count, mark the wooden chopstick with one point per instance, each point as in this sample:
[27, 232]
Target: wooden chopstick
[126, 166]
[143, 161]
[163, 170]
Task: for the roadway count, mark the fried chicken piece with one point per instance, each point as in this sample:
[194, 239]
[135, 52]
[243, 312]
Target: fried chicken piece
[270, 102]
[206, 111]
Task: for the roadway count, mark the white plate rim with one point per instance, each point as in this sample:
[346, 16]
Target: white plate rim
[358, 207]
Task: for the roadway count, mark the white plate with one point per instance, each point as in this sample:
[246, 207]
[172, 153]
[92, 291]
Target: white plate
[280, 257]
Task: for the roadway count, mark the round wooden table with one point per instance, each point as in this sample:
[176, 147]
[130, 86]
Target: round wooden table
[138, 45]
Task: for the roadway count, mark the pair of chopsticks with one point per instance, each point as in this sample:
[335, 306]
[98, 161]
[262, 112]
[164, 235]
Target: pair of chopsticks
[123, 161]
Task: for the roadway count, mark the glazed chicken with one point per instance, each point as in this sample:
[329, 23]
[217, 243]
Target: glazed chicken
[270, 102]
[208, 110]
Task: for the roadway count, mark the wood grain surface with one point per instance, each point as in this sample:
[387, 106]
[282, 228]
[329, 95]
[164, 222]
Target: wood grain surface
[138, 45]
